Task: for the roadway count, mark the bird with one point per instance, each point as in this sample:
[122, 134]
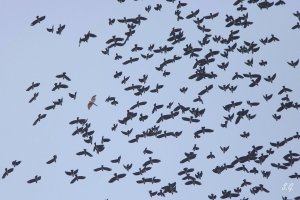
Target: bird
[7, 172]
[73, 96]
[35, 179]
[33, 85]
[102, 168]
[71, 172]
[92, 102]
[40, 117]
[116, 177]
[127, 167]
[117, 160]
[293, 63]
[84, 152]
[60, 29]
[16, 163]
[52, 159]
[77, 178]
[38, 20]
[63, 76]
[35, 95]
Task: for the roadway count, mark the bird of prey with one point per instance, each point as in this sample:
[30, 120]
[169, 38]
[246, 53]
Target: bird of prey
[92, 102]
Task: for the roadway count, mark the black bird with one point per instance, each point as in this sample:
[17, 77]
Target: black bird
[147, 151]
[52, 159]
[111, 21]
[38, 20]
[267, 97]
[212, 196]
[158, 7]
[206, 90]
[245, 134]
[151, 162]
[84, 152]
[297, 26]
[16, 163]
[147, 56]
[278, 166]
[127, 132]
[116, 177]
[295, 175]
[117, 160]
[183, 89]
[102, 168]
[51, 30]
[35, 95]
[63, 76]
[127, 167]
[125, 79]
[265, 4]
[59, 85]
[224, 149]
[245, 183]
[73, 96]
[276, 117]
[148, 8]
[72, 172]
[35, 179]
[40, 116]
[152, 194]
[188, 157]
[266, 174]
[193, 182]
[130, 60]
[78, 121]
[210, 156]
[193, 14]
[293, 63]
[271, 78]
[284, 90]
[7, 172]
[263, 63]
[136, 48]
[157, 88]
[180, 5]
[117, 74]
[60, 29]
[33, 85]
[138, 104]
[142, 171]
[114, 127]
[76, 178]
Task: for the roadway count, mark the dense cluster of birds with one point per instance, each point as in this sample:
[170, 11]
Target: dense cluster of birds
[235, 111]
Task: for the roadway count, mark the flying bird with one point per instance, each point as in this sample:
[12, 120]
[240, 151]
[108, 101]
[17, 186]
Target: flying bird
[92, 102]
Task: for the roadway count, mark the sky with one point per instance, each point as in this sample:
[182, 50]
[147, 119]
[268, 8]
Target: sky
[31, 54]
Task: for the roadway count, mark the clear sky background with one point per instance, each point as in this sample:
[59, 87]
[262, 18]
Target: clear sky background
[32, 54]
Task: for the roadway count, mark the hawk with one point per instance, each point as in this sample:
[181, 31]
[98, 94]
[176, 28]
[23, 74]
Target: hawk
[92, 102]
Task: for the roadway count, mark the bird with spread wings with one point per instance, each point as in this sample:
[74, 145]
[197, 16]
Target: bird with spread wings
[92, 102]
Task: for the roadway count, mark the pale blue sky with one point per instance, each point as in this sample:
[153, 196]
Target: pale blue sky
[32, 54]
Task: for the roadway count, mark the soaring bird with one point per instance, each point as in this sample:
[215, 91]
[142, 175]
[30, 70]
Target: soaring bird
[37, 20]
[92, 102]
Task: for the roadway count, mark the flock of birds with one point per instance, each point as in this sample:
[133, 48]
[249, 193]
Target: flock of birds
[237, 110]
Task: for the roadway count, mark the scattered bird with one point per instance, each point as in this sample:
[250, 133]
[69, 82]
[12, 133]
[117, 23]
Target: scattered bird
[38, 20]
[92, 102]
